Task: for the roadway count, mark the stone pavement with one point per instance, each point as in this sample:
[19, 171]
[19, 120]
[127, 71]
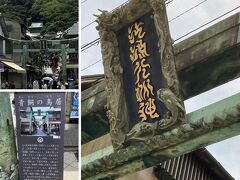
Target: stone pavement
[70, 166]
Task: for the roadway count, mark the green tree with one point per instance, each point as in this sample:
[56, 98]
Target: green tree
[56, 14]
[13, 10]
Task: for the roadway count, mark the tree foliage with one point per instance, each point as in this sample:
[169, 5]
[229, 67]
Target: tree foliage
[55, 14]
[13, 10]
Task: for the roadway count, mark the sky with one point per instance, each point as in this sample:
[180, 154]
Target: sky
[226, 152]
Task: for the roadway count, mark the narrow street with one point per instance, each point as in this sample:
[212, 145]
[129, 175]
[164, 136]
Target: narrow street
[39, 132]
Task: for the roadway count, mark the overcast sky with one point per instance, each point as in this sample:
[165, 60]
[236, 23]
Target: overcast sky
[226, 152]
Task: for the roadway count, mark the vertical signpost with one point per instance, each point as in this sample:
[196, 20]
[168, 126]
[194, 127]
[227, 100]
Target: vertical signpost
[40, 128]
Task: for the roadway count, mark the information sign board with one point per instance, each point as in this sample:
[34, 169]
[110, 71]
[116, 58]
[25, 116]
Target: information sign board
[40, 134]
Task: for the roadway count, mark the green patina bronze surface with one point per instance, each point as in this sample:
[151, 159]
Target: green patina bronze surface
[205, 126]
[8, 153]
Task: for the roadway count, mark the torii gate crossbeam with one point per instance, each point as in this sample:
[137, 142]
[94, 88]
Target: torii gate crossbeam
[205, 126]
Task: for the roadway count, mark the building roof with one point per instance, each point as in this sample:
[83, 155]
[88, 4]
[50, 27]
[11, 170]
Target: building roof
[33, 35]
[88, 81]
[73, 30]
[212, 164]
[36, 25]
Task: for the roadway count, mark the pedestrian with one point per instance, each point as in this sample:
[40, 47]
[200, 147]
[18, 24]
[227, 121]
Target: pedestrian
[63, 86]
[12, 85]
[6, 85]
[29, 85]
[50, 84]
[54, 85]
[3, 86]
[35, 84]
[45, 86]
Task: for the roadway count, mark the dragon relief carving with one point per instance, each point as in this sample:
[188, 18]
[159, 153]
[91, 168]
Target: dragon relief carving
[144, 130]
[165, 46]
[123, 15]
[170, 96]
[116, 106]
[141, 131]
[175, 107]
[110, 20]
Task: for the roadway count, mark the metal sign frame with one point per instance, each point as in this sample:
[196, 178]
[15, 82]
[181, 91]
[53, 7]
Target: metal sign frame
[108, 25]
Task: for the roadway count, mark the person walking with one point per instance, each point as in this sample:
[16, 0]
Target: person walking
[35, 84]
[12, 85]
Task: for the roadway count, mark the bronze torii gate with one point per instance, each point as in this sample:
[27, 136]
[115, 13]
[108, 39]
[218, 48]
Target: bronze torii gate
[63, 52]
[8, 152]
[205, 126]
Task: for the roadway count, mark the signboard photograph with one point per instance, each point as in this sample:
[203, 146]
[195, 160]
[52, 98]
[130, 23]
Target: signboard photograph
[40, 132]
[41, 121]
[143, 90]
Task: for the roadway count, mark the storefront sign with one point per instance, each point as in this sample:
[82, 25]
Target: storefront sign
[75, 103]
[40, 128]
[1, 68]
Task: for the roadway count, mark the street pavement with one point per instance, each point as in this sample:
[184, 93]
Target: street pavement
[70, 166]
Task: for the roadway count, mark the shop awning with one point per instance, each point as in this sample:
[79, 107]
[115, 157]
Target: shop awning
[14, 66]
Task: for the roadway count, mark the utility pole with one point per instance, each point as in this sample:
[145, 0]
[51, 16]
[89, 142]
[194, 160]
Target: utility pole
[8, 153]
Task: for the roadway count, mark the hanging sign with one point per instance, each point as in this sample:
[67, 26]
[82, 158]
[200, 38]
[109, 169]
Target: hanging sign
[142, 86]
[40, 128]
